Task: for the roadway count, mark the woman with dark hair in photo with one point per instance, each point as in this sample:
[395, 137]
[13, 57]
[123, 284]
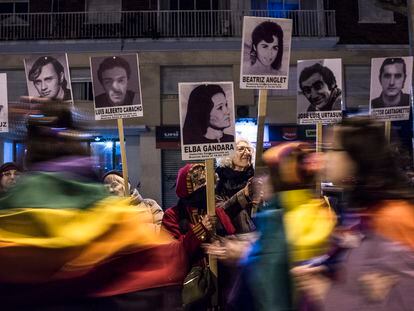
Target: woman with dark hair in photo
[377, 271]
[266, 51]
[208, 115]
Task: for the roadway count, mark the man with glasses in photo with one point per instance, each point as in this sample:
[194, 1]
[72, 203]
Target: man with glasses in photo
[318, 85]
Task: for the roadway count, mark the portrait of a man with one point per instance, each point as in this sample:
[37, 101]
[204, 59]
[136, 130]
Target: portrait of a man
[318, 85]
[48, 79]
[114, 76]
[392, 77]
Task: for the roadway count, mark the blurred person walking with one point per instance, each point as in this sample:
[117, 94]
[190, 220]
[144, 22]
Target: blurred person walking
[294, 228]
[377, 272]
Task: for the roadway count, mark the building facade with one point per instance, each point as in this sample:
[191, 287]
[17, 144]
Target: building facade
[186, 41]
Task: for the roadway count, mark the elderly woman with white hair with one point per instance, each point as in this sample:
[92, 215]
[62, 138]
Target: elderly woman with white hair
[236, 190]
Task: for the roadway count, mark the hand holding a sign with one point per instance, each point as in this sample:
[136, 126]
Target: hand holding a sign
[208, 222]
[254, 190]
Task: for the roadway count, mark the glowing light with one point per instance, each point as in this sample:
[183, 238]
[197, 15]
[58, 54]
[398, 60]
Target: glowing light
[109, 145]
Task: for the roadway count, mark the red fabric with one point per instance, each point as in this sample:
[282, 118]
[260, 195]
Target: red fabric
[394, 220]
[181, 184]
[139, 269]
[171, 223]
[160, 266]
[225, 220]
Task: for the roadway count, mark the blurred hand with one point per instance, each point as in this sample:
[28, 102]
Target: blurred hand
[376, 286]
[311, 281]
[254, 190]
[229, 251]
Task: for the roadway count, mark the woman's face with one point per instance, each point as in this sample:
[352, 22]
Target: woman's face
[220, 113]
[267, 52]
[243, 156]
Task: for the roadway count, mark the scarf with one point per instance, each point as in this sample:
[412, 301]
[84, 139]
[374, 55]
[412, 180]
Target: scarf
[231, 181]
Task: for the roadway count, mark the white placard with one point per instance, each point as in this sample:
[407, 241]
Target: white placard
[265, 53]
[116, 87]
[206, 120]
[47, 76]
[319, 91]
[4, 104]
[390, 93]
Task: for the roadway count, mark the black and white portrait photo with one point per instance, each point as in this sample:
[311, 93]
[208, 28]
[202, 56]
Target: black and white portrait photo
[4, 115]
[265, 53]
[207, 119]
[391, 87]
[319, 96]
[116, 87]
[47, 76]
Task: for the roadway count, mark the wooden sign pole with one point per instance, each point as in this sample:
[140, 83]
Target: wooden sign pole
[261, 117]
[123, 156]
[388, 131]
[318, 149]
[211, 210]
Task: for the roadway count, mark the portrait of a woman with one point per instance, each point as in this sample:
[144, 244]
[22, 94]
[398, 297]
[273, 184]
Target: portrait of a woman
[266, 52]
[208, 115]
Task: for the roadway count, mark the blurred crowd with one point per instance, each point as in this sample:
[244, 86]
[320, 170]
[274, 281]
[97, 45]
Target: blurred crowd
[73, 240]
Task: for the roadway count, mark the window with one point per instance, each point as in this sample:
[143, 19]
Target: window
[14, 151]
[10, 9]
[19, 153]
[82, 90]
[369, 12]
[103, 6]
[275, 5]
[103, 12]
[197, 4]
[14, 7]
[107, 153]
[8, 151]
